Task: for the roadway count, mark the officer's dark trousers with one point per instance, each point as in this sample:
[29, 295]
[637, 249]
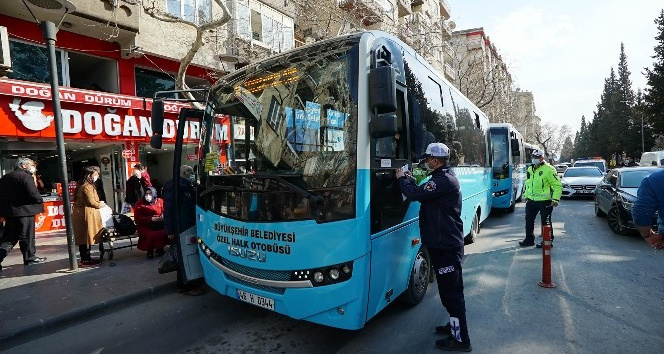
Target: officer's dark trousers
[447, 265]
[544, 208]
[19, 230]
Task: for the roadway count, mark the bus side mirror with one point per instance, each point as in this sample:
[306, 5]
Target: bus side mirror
[383, 125]
[157, 123]
[383, 101]
[515, 148]
[383, 90]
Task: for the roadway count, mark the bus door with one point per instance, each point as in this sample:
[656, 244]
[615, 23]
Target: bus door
[190, 128]
[392, 231]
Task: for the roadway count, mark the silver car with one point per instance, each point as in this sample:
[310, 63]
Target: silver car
[581, 181]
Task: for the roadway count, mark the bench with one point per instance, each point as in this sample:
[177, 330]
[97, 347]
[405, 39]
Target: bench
[110, 236]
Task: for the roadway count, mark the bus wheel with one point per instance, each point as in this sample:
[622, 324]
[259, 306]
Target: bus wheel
[418, 283]
[474, 230]
[511, 208]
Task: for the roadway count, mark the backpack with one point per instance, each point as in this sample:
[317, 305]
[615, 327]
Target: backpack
[123, 224]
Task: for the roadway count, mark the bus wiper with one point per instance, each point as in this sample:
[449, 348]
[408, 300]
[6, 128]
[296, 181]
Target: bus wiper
[316, 199]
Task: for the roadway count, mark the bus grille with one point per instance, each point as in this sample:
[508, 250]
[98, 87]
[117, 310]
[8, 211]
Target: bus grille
[270, 289]
[280, 275]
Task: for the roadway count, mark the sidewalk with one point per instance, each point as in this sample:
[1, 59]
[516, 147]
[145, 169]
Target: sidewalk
[37, 299]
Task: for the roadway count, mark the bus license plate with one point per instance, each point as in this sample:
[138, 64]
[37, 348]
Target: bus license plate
[254, 299]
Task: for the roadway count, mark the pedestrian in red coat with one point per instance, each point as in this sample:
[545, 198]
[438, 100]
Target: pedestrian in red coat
[149, 219]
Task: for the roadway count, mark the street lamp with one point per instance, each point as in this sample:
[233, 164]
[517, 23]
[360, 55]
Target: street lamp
[643, 145]
[49, 31]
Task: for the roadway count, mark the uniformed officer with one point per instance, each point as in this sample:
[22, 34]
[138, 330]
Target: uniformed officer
[441, 230]
[543, 190]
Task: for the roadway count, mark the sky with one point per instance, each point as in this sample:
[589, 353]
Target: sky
[563, 50]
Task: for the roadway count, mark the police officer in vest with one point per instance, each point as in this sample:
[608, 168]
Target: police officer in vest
[441, 230]
[543, 190]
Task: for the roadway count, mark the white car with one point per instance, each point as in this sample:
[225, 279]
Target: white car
[581, 181]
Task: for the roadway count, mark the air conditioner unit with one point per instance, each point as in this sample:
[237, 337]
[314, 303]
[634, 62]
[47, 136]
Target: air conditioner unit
[5, 58]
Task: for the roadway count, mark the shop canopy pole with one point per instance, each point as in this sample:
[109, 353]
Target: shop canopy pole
[49, 31]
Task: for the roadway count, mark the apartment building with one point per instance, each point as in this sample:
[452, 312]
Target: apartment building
[525, 116]
[481, 73]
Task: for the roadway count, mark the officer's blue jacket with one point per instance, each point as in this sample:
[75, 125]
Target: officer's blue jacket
[440, 211]
[650, 198]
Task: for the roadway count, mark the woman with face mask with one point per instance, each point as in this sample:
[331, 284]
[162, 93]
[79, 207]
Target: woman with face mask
[86, 219]
[149, 219]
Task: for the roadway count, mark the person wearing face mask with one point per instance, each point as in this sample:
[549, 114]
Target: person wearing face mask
[186, 214]
[441, 231]
[542, 194]
[20, 201]
[149, 219]
[133, 188]
[86, 219]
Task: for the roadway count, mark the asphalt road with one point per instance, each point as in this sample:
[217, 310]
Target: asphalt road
[609, 299]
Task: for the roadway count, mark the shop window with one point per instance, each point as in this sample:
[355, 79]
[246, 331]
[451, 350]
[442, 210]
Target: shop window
[259, 22]
[30, 63]
[148, 82]
[196, 11]
[93, 73]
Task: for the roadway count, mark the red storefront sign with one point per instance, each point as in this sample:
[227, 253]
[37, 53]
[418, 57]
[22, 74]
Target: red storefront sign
[26, 111]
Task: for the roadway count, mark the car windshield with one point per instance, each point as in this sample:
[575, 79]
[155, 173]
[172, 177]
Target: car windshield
[632, 179]
[583, 172]
[598, 164]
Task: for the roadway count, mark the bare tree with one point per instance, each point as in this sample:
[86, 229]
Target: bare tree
[155, 8]
[551, 138]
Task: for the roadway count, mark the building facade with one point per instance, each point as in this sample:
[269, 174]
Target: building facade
[481, 73]
[526, 120]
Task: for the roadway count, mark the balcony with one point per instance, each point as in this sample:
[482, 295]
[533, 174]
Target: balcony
[444, 9]
[450, 75]
[404, 8]
[368, 11]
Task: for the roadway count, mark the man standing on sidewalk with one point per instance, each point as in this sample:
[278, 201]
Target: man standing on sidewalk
[649, 200]
[20, 201]
[441, 230]
[543, 190]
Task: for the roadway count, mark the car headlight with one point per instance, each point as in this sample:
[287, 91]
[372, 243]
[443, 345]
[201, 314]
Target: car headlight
[626, 203]
[565, 185]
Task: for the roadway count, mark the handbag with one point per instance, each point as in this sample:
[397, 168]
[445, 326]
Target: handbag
[157, 224]
[169, 261]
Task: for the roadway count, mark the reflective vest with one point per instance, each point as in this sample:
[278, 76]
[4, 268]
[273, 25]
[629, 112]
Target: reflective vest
[543, 183]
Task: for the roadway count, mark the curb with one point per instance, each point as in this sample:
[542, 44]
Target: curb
[53, 324]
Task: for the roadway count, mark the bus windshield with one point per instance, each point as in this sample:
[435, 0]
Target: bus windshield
[499, 144]
[294, 138]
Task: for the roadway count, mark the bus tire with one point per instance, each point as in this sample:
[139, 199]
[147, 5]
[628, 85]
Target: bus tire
[418, 282]
[474, 230]
[511, 208]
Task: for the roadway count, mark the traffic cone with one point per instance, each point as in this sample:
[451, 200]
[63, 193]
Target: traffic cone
[546, 258]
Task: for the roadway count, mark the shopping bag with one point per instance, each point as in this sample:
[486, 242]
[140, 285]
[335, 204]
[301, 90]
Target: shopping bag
[106, 216]
[169, 261]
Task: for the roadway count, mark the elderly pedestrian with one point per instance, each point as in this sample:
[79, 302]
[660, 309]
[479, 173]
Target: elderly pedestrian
[20, 201]
[543, 190]
[86, 218]
[149, 218]
[441, 230]
[650, 201]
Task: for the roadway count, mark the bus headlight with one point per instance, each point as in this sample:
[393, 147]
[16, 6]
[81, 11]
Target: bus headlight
[318, 277]
[333, 274]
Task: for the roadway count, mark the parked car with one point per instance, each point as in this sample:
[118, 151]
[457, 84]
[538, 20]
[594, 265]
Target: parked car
[599, 163]
[581, 181]
[560, 168]
[615, 195]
